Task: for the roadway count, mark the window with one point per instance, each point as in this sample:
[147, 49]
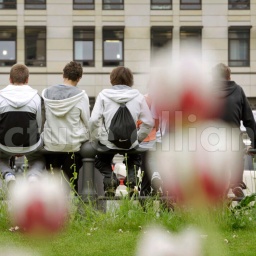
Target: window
[190, 4]
[238, 4]
[113, 4]
[191, 40]
[161, 4]
[8, 37]
[84, 45]
[8, 4]
[239, 46]
[35, 4]
[160, 38]
[35, 46]
[83, 4]
[113, 46]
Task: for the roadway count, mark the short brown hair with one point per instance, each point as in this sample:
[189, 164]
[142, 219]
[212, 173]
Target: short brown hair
[221, 72]
[121, 76]
[19, 74]
[73, 71]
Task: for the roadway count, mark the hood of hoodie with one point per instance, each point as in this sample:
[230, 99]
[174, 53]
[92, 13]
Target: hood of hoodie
[18, 95]
[225, 88]
[120, 93]
[62, 107]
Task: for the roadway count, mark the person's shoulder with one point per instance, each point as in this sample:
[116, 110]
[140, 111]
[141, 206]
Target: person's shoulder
[38, 97]
[140, 96]
[51, 88]
[75, 88]
[103, 93]
[234, 83]
[83, 95]
[239, 88]
[106, 90]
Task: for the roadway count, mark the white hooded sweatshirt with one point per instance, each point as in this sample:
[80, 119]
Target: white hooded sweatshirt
[66, 125]
[20, 119]
[106, 105]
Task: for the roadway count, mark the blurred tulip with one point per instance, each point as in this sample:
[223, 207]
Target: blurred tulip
[39, 207]
[184, 87]
[157, 241]
[199, 162]
[17, 251]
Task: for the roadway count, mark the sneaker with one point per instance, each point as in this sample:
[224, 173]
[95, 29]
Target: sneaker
[238, 191]
[9, 179]
[156, 183]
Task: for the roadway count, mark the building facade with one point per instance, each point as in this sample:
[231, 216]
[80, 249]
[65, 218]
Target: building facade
[102, 34]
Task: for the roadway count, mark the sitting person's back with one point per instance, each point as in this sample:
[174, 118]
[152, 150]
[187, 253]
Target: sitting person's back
[103, 129]
[67, 114]
[20, 123]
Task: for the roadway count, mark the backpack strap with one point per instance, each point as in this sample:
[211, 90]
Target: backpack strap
[103, 118]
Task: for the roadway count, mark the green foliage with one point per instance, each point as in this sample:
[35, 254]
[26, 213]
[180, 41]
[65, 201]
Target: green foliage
[227, 228]
[243, 214]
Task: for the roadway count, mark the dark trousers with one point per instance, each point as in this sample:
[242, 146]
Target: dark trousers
[148, 167]
[103, 162]
[68, 162]
[146, 178]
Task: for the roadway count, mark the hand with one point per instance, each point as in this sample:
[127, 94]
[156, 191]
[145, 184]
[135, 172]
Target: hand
[247, 151]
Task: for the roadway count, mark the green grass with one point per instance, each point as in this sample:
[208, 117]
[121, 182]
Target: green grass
[118, 232]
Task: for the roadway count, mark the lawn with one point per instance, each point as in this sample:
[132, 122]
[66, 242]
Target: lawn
[222, 231]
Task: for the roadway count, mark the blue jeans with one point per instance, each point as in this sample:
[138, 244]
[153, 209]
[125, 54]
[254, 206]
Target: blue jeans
[36, 163]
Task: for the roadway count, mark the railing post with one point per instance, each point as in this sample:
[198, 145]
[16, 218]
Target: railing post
[88, 154]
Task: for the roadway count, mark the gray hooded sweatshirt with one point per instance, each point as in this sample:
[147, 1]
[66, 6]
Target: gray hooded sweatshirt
[67, 114]
[106, 105]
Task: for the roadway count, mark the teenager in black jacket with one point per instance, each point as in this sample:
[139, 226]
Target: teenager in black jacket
[236, 108]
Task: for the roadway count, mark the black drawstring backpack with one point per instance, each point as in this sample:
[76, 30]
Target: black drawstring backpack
[122, 130]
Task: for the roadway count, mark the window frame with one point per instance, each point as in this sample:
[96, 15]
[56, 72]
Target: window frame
[8, 63]
[6, 4]
[44, 62]
[152, 4]
[237, 4]
[159, 29]
[112, 63]
[247, 40]
[27, 3]
[183, 3]
[84, 28]
[84, 4]
[112, 4]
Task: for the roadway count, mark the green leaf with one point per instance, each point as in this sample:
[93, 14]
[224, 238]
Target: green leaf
[246, 201]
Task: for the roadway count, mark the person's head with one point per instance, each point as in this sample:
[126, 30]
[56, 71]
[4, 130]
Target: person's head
[19, 74]
[221, 72]
[121, 76]
[73, 71]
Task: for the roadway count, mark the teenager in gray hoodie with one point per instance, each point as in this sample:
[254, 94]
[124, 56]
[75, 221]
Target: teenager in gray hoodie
[66, 126]
[106, 105]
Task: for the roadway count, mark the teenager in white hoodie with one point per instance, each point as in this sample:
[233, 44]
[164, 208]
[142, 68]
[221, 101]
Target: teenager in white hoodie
[106, 105]
[20, 124]
[66, 126]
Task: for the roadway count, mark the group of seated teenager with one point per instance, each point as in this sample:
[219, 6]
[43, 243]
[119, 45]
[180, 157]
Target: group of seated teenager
[59, 121]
